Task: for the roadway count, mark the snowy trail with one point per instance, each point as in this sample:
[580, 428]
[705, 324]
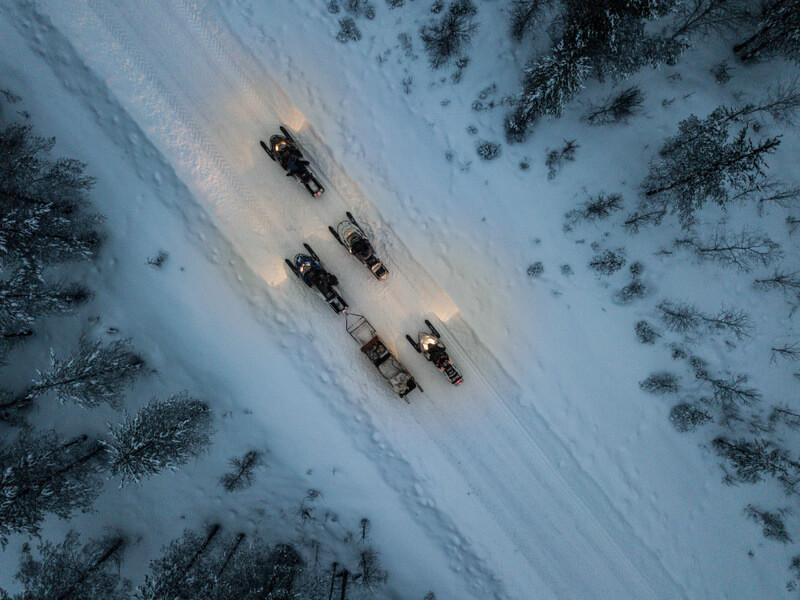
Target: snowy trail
[204, 102]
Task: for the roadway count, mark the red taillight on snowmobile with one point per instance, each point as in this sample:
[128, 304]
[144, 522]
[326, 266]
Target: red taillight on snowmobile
[458, 381]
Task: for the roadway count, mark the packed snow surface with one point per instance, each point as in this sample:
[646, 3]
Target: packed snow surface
[547, 474]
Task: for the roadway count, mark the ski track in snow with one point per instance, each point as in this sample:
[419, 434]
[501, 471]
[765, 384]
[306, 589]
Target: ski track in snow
[560, 532]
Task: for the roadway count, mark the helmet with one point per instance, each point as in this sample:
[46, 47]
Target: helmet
[362, 249]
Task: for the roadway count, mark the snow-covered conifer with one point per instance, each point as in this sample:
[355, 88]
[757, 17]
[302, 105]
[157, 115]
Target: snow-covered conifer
[645, 333]
[96, 373]
[65, 571]
[703, 163]
[43, 215]
[42, 474]
[162, 435]
[526, 15]
[776, 33]
[25, 296]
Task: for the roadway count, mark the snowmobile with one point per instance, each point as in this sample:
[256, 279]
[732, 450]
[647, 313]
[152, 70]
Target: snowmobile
[309, 269]
[285, 151]
[350, 235]
[431, 347]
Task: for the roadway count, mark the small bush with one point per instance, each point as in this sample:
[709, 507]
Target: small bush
[687, 417]
[660, 383]
[447, 38]
[772, 524]
[645, 333]
[555, 159]
[566, 270]
[158, 260]
[488, 150]
[634, 290]
[395, 3]
[333, 7]
[721, 72]
[616, 108]
[348, 30]
[536, 269]
[608, 262]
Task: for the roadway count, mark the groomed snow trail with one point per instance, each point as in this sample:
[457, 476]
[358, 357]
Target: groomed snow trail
[204, 102]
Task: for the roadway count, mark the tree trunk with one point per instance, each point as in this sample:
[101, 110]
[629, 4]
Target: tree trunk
[230, 554]
[333, 581]
[345, 575]
[105, 556]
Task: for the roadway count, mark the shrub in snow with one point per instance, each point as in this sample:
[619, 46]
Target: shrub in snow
[449, 36]
[348, 30]
[566, 270]
[333, 7]
[634, 290]
[242, 475]
[488, 150]
[721, 72]
[162, 435]
[536, 269]
[785, 281]
[360, 7]
[555, 159]
[437, 7]
[595, 208]
[608, 262]
[636, 268]
[743, 251]
[67, 571]
[617, 107]
[687, 417]
[96, 373]
[395, 3]
[42, 474]
[750, 461]
[159, 260]
[645, 333]
[772, 523]
[660, 383]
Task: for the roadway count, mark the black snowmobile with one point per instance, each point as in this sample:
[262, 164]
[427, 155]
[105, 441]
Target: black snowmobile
[309, 269]
[284, 150]
[431, 347]
[350, 235]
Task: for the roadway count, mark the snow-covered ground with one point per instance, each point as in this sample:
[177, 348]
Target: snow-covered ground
[548, 473]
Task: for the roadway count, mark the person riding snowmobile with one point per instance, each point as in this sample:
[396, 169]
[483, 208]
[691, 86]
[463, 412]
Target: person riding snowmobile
[362, 249]
[314, 276]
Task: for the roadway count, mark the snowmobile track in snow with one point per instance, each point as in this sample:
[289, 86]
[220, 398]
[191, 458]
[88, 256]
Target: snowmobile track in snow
[558, 524]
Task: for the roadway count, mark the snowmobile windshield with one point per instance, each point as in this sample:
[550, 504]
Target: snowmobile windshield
[279, 146]
[427, 341]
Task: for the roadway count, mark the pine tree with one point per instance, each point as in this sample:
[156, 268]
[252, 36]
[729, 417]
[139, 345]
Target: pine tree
[43, 203]
[43, 474]
[701, 162]
[25, 296]
[526, 15]
[66, 571]
[96, 373]
[777, 33]
[448, 37]
[752, 460]
[243, 474]
[547, 85]
[163, 435]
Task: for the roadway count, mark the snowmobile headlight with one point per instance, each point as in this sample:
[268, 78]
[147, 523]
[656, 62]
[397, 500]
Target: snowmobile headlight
[427, 342]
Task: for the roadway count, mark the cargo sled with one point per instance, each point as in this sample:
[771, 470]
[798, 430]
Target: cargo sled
[373, 347]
